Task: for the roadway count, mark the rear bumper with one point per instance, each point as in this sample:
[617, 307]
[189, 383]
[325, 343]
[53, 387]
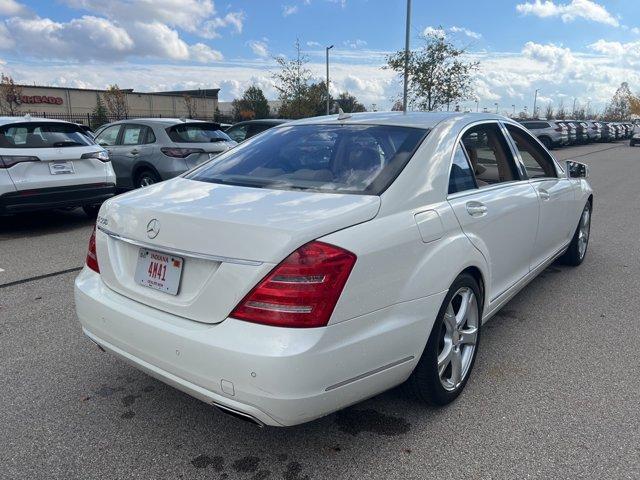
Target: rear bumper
[57, 197]
[278, 376]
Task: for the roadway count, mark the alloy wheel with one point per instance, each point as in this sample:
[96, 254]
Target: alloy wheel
[458, 338]
[584, 231]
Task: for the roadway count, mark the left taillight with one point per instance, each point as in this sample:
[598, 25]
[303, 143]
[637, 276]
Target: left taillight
[92, 256]
[302, 291]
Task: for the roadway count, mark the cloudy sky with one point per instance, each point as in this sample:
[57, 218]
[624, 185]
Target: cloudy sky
[569, 49]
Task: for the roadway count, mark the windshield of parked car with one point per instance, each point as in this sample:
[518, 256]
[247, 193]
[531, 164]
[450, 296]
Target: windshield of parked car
[42, 135]
[362, 159]
[197, 133]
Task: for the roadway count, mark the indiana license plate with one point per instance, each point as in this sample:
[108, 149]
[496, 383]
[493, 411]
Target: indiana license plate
[159, 271]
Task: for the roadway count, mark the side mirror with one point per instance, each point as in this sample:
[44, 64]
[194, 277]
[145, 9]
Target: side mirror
[577, 170]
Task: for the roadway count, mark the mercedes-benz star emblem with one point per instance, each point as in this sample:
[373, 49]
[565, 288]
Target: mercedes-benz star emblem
[153, 228]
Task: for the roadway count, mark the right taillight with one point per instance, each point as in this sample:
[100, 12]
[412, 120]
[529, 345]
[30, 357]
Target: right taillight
[92, 257]
[302, 291]
[180, 152]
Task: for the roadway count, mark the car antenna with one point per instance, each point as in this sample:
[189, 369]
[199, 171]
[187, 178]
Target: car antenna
[342, 115]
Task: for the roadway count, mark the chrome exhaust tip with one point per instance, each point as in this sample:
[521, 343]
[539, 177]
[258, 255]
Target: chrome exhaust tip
[237, 414]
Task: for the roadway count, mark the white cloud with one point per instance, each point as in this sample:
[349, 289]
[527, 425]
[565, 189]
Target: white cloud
[93, 38]
[466, 31]
[556, 57]
[355, 43]
[439, 32]
[568, 12]
[209, 29]
[289, 10]
[11, 8]
[313, 44]
[259, 48]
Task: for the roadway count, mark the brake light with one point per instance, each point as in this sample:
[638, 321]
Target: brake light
[8, 161]
[101, 155]
[302, 291]
[92, 257]
[180, 152]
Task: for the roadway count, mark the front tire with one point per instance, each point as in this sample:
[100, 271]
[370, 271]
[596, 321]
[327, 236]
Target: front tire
[448, 358]
[577, 250]
[546, 141]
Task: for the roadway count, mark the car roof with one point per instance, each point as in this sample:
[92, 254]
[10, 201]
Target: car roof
[262, 121]
[425, 120]
[158, 121]
[28, 119]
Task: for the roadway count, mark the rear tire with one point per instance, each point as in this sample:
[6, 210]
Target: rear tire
[448, 357]
[577, 250]
[146, 178]
[546, 141]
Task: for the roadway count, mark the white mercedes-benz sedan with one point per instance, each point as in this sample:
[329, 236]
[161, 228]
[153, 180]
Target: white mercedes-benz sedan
[329, 259]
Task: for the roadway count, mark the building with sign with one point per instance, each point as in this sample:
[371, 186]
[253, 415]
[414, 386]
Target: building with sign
[76, 104]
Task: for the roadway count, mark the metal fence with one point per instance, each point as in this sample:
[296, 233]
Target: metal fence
[88, 119]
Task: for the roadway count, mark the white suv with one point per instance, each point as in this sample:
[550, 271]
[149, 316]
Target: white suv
[50, 164]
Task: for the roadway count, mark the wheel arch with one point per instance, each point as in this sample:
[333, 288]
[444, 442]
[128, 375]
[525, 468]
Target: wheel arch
[477, 275]
[139, 167]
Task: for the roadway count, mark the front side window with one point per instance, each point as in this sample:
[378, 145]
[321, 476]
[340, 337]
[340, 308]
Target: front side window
[361, 159]
[109, 136]
[200, 132]
[537, 161]
[489, 155]
[461, 177]
[43, 135]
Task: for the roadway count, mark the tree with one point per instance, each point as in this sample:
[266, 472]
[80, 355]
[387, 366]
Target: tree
[116, 101]
[10, 95]
[548, 112]
[619, 109]
[349, 103]
[292, 83]
[397, 106]
[438, 73]
[99, 114]
[561, 114]
[190, 105]
[253, 104]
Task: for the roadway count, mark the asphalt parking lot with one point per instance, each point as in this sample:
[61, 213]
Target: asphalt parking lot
[555, 392]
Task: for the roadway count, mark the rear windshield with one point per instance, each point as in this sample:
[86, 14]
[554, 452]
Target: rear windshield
[42, 135]
[362, 159]
[197, 133]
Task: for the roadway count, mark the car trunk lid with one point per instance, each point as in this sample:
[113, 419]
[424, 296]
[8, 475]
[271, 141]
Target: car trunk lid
[229, 237]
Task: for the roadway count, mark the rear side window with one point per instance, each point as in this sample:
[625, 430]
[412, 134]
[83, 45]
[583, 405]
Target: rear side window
[461, 177]
[537, 161]
[238, 133]
[362, 159]
[489, 155]
[43, 135]
[200, 132]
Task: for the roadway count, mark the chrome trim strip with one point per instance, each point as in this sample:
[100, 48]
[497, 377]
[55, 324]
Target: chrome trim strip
[178, 252]
[372, 372]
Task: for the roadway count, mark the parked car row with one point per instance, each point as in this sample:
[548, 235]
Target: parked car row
[560, 133]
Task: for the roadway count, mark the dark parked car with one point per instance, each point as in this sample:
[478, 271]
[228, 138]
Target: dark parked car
[243, 130]
[144, 151]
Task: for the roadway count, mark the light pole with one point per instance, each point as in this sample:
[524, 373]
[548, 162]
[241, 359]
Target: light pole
[406, 58]
[328, 95]
[496, 104]
[573, 112]
[514, 110]
[477, 105]
[535, 100]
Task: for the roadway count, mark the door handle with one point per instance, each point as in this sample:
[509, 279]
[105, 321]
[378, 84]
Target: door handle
[544, 195]
[476, 209]
[135, 151]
